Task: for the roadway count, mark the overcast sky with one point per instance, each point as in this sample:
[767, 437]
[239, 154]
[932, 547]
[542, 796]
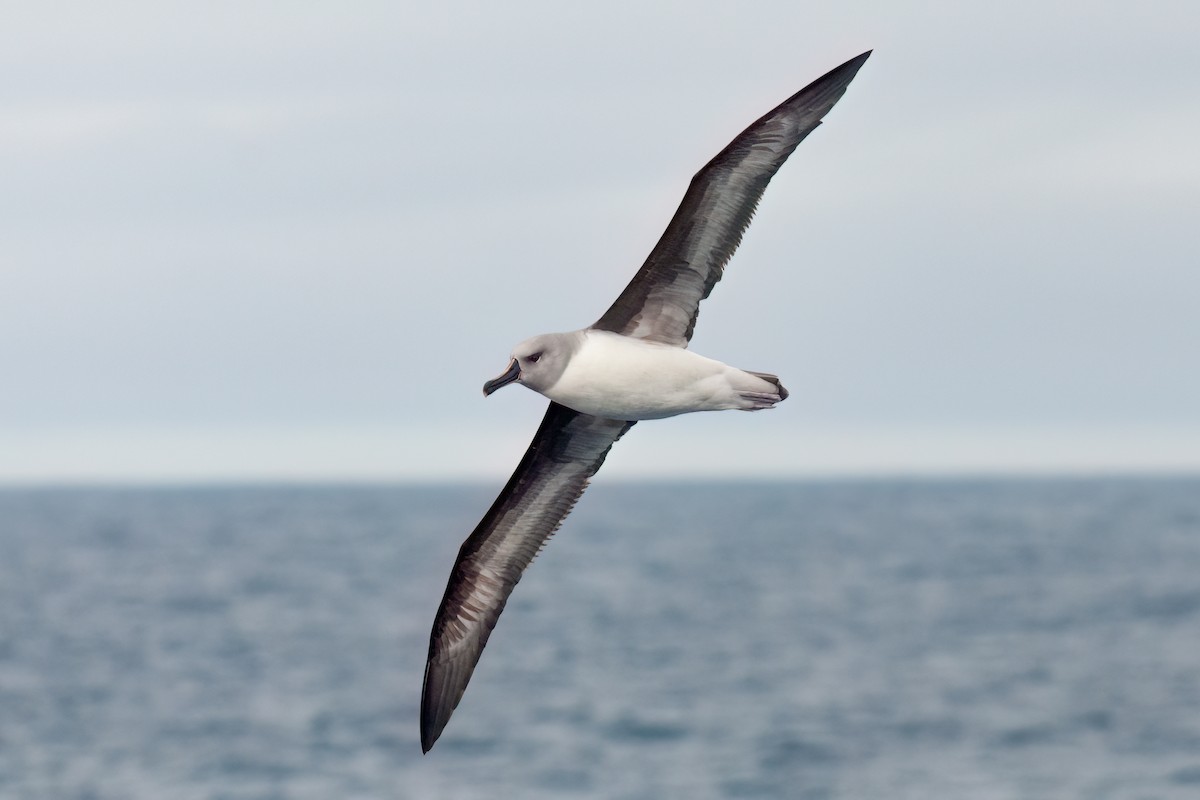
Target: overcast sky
[291, 240]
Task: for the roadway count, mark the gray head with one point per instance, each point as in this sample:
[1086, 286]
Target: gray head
[538, 362]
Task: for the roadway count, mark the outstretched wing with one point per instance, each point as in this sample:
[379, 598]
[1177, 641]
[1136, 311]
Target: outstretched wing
[663, 299]
[566, 451]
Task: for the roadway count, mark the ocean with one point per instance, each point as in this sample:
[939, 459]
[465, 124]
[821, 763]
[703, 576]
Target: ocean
[966, 639]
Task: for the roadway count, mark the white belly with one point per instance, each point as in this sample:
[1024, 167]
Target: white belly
[619, 377]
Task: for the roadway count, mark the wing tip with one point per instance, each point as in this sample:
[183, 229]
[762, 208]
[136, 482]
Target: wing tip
[434, 711]
[433, 722]
[845, 72]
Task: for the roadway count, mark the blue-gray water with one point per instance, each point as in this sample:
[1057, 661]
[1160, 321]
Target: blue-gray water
[967, 640]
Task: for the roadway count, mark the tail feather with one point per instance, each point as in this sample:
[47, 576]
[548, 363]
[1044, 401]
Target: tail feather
[769, 378]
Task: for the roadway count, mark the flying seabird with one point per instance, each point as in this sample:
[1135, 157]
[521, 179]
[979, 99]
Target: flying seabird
[631, 364]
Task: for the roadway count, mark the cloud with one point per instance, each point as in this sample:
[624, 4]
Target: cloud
[249, 224]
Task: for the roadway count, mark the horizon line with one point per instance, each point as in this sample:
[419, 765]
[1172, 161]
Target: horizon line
[998, 475]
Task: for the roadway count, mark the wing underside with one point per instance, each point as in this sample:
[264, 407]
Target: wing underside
[566, 452]
[663, 299]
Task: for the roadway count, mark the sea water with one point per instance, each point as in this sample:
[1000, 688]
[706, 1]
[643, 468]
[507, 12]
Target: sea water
[858, 639]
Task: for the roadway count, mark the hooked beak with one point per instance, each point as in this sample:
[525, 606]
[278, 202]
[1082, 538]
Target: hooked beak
[511, 374]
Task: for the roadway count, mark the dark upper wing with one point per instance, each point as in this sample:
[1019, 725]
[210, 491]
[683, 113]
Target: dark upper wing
[566, 451]
[662, 300]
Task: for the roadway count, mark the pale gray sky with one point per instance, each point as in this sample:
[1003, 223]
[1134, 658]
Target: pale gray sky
[291, 240]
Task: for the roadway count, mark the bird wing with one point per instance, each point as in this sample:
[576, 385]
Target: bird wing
[663, 299]
[566, 452]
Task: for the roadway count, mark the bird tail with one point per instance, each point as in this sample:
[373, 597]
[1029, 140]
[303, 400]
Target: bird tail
[774, 379]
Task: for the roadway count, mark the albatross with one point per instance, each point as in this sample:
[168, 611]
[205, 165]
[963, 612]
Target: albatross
[630, 365]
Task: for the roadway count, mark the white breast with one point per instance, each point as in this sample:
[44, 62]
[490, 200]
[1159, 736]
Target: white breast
[619, 377]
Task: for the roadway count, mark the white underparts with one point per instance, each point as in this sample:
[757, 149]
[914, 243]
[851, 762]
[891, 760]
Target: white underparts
[620, 377]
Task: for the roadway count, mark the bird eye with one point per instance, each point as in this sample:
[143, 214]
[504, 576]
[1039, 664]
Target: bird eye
[534, 358]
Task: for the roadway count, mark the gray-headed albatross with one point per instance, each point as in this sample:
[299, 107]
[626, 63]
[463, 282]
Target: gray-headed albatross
[632, 364]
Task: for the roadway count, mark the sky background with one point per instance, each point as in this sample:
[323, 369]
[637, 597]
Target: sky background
[291, 240]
